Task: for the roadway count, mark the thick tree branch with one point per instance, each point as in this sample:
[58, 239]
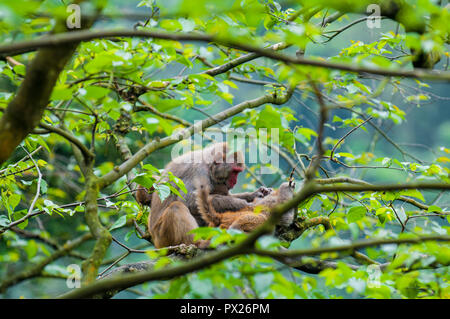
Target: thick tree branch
[125, 281]
[100, 233]
[350, 247]
[77, 36]
[25, 111]
[311, 188]
[247, 245]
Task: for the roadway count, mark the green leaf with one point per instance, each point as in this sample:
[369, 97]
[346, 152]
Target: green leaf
[263, 281]
[390, 196]
[337, 119]
[62, 93]
[96, 92]
[175, 191]
[163, 191]
[203, 288]
[179, 182]
[268, 118]
[306, 132]
[31, 249]
[356, 213]
[43, 187]
[129, 234]
[150, 167]
[206, 232]
[119, 223]
[14, 200]
[144, 180]
[162, 104]
[4, 221]
[231, 84]
[386, 162]
[413, 193]
[18, 215]
[434, 208]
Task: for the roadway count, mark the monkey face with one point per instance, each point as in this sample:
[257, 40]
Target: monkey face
[232, 177]
[226, 168]
[225, 173]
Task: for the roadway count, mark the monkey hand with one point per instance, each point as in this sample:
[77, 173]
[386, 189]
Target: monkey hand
[263, 192]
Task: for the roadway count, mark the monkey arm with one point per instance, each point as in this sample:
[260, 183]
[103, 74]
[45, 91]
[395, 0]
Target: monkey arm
[223, 203]
[250, 196]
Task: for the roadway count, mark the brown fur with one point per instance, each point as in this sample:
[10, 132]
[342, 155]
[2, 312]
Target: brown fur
[247, 218]
[172, 219]
[144, 196]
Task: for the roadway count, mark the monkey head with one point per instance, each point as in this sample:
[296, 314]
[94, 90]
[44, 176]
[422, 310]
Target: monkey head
[286, 190]
[225, 168]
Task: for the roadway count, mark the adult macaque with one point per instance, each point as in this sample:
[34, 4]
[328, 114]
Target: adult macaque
[245, 219]
[171, 220]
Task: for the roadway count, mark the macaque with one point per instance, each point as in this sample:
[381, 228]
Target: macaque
[171, 220]
[245, 219]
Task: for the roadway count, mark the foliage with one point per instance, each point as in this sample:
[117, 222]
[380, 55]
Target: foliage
[117, 94]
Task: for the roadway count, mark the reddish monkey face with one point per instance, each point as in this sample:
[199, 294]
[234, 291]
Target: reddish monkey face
[232, 178]
[225, 168]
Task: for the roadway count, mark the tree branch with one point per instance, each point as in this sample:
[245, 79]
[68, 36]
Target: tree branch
[350, 247]
[77, 36]
[72, 139]
[126, 281]
[247, 245]
[100, 233]
[25, 111]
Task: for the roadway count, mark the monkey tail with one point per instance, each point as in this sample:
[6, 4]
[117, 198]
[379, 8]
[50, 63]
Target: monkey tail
[204, 204]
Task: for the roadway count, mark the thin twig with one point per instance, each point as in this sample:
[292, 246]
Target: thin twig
[346, 135]
[38, 190]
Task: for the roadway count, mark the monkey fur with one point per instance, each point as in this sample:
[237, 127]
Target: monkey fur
[245, 219]
[171, 220]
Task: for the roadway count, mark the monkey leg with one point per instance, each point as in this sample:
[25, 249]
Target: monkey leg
[248, 222]
[173, 226]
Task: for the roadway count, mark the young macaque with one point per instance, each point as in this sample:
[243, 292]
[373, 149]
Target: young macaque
[171, 220]
[247, 218]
